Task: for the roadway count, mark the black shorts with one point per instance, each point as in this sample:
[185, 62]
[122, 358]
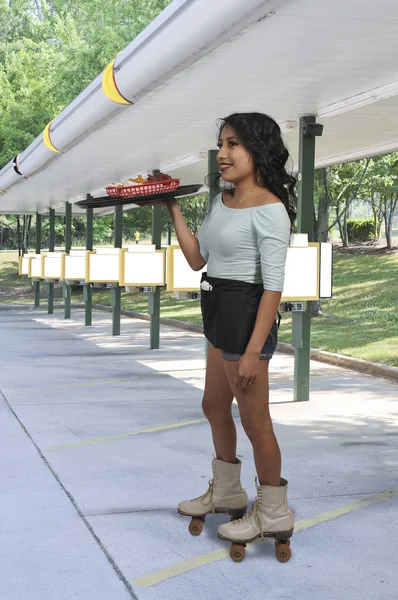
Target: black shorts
[229, 311]
[267, 351]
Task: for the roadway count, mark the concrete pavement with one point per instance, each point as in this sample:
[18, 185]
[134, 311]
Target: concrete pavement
[102, 438]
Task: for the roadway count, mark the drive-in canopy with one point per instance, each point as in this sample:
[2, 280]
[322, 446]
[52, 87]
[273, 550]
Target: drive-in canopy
[201, 60]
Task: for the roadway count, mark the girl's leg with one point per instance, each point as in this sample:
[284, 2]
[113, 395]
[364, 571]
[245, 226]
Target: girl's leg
[253, 405]
[216, 404]
[225, 492]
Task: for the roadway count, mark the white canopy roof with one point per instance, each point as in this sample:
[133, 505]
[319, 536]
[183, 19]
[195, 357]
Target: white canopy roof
[332, 58]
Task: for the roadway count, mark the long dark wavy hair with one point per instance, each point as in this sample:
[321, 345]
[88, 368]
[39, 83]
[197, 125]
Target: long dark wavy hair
[261, 137]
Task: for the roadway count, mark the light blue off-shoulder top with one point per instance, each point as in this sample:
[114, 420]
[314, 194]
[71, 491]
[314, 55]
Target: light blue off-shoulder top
[247, 244]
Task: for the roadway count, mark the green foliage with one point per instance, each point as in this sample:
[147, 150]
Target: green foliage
[139, 219]
[343, 181]
[194, 209]
[8, 232]
[103, 230]
[382, 190]
[50, 50]
[362, 317]
[360, 230]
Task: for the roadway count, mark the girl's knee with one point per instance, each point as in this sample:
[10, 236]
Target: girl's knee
[214, 410]
[258, 431]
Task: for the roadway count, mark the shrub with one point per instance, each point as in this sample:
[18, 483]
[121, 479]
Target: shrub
[360, 230]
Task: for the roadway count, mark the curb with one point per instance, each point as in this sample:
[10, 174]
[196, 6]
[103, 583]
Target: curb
[17, 306]
[163, 320]
[340, 360]
[354, 364]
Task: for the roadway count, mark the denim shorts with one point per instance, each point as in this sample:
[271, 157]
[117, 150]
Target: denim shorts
[267, 351]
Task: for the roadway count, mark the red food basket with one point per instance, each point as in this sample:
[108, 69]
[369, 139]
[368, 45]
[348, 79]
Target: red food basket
[112, 191]
[146, 189]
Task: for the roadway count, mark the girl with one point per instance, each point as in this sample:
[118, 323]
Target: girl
[244, 241]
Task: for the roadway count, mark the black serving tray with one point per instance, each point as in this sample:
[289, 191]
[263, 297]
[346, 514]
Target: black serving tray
[109, 201]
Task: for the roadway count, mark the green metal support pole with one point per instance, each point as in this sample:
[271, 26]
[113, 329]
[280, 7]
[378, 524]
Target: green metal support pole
[68, 227]
[51, 246]
[154, 297]
[87, 290]
[301, 321]
[213, 171]
[116, 291]
[38, 250]
[68, 246]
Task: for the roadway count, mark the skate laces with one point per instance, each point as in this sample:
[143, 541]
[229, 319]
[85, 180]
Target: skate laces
[209, 492]
[254, 513]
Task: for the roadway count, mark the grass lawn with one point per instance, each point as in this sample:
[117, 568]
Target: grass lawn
[12, 287]
[362, 316]
[361, 321]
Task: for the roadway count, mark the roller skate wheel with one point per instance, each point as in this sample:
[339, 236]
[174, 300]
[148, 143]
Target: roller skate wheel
[195, 527]
[237, 552]
[282, 551]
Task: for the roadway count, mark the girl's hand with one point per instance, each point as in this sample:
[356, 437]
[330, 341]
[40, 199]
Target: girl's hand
[167, 203]
[153, 203]
[247, 370]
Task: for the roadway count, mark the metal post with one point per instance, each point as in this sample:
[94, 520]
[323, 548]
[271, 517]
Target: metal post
[51, 246]
[213, 171]
[301, 321]
[38, 249]
[116, 291]
[154, 297]
[68, 245]
[68, 227]
[87, 290]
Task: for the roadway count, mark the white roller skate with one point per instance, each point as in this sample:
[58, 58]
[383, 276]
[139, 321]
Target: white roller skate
[224, 495]
[269, 517]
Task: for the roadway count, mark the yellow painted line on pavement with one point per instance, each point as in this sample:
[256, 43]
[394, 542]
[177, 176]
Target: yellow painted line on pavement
[205, 559]
[71, 387]
[95, 383]
[122, 435]
[39, 359]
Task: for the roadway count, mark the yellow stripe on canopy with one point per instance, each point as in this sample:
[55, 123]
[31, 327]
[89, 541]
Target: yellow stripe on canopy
[47, 139]
[110, 87]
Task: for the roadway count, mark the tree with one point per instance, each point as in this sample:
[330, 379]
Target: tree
[376, 205]
[50, 50]
[336, 187]
[23, 228]
[137, 219]
[194, 209]
[382, 187]
[345, 184]
[321, 206]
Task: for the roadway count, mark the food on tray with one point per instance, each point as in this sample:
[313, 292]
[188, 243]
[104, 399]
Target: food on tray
[163, 177]
[141, 180]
